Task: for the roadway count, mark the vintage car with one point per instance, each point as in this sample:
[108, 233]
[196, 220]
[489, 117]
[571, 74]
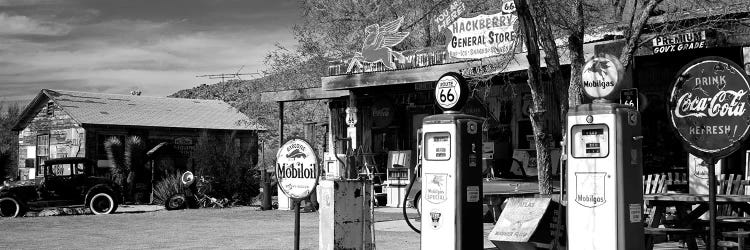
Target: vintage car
[65, 182]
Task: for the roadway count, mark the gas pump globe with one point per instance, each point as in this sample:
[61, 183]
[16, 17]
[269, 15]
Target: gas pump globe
[604, 183]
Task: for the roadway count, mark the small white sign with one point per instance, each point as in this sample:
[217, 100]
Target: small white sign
[636, 213]
[519, 219]
[447, 91]
[472, 194]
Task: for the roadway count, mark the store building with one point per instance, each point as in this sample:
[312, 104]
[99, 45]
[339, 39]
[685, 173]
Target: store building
[75, 124]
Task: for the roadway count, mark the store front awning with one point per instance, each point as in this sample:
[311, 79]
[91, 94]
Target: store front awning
[486, 66]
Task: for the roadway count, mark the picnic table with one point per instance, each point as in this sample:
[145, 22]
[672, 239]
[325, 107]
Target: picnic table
[689, 216]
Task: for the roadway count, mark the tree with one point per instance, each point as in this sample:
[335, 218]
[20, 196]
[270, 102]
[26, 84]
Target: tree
[231, 168]
[9, 114]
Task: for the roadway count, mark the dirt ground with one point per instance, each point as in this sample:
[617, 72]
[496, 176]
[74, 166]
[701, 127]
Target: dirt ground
[234, 228]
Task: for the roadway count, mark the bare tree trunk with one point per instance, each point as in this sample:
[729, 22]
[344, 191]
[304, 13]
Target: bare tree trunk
[577, 60]
[537, 112]
[634, 34]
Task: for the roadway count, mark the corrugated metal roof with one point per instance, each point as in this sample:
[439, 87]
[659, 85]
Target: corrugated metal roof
[149, 111]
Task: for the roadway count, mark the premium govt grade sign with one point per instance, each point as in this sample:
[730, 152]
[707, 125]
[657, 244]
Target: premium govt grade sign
[709, 106]
[297, 168]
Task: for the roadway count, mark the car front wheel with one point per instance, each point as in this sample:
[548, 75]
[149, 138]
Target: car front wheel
[11, 207]
[102, 203]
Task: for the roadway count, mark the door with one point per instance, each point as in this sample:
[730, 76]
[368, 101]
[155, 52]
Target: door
[64, 182]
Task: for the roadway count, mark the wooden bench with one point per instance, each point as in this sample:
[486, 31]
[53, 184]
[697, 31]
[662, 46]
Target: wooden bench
[658, 184]
[729, 217]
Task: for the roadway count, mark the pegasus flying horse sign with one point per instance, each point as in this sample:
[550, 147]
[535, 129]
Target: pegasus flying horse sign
[377, 47]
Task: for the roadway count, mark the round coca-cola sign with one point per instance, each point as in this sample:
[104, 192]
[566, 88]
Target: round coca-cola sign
[708, 106]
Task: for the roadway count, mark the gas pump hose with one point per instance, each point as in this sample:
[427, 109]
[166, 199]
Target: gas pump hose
[406, 197]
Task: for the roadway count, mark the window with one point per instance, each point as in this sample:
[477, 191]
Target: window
[42, 151]
[60, 170]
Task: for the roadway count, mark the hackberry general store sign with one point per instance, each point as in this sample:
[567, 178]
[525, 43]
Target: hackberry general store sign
[297, 168]
[483, 35]
[709, 106]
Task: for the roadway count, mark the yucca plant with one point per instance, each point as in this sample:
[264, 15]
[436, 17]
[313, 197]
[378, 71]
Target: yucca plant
[168, 186]
[115, 154]
[135, 158]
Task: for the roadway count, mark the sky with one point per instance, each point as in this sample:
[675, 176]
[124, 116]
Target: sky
[115, 46]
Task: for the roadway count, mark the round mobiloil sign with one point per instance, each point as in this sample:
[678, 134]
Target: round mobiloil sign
[602, 76]
[297, 168]
[451, 91]
[708, 106]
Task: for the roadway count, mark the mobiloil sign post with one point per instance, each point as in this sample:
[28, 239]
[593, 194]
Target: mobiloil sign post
[451, 172]
[708, 111]
[605, 199]
[297, 174]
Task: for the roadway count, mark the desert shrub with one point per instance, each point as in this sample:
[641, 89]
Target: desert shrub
[231, 168]
[167, 187]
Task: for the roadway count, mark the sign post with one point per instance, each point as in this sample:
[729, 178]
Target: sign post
[708, 111]
[297, 173]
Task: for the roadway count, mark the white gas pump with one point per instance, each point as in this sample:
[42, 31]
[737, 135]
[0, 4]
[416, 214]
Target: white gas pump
[451, 172]
[604, 175]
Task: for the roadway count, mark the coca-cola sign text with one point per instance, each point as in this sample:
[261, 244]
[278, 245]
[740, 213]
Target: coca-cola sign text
[709, 106]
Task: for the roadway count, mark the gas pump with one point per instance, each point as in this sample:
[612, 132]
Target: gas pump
[451, 172]
[604, 183]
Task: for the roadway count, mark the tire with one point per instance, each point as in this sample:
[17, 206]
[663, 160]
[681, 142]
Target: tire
[418, 203]
[176, 201]
[11, 207]
[102, 203]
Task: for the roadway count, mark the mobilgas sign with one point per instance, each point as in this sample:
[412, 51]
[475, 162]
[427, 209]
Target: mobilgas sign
[602, 76]
[297, 168]
[708, 106]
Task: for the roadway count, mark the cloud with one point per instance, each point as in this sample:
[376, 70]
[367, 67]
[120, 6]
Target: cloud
[117, 46]
[23, 25]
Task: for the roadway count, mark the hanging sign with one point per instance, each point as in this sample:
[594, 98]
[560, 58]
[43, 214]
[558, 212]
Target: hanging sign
[680, 42]
[483, 35]
[708, 106]
[449, 15]
[297, 168]
[602, 76]
[451, 92]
